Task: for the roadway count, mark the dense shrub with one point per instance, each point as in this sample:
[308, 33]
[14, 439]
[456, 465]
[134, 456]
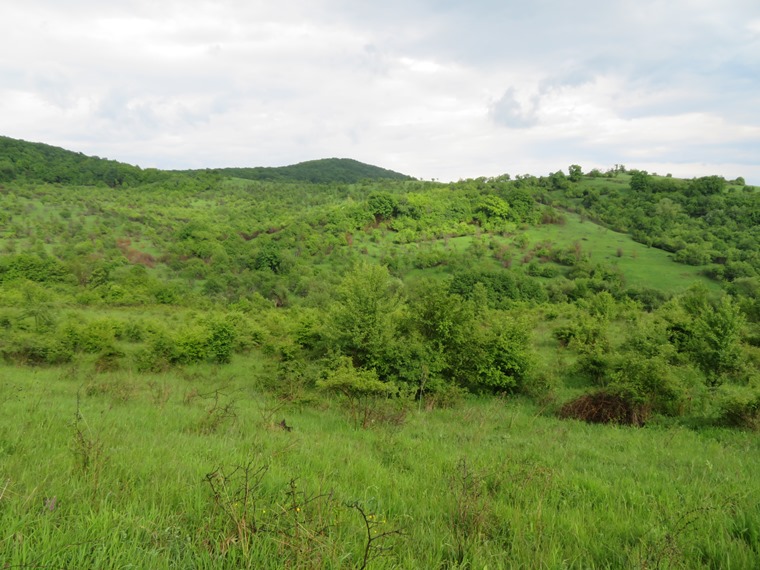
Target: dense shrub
[741, 409]
[32, 267]
[33, 349]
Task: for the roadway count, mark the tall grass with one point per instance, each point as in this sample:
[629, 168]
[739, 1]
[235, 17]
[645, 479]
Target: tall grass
[193, 469]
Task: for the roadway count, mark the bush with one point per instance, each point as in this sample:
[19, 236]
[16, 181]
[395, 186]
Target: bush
[31, 267]
[32, 349]
[741, 409]
[361, 388]
[647, 381]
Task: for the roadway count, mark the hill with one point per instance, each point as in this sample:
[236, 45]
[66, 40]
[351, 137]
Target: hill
[39, 162]
[323, 171]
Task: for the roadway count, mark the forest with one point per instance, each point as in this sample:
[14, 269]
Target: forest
[335, 365]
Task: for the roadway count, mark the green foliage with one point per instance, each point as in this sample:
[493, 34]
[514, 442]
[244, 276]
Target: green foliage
[360, 387]
[502, 288]
[96, 336]
[269, 257]
[649, 381]
[25, 348]
[715, 344]
[40, 269]
[430, 286]
[220, 341]
[640, 181]
[493, 207]
[45, 163]
[575, 173]
[497, 357]
[741, 408]
[382, 205]
[362, 324]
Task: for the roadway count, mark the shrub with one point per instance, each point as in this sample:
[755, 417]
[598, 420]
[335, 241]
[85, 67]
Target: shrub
[647, 381]
[741, 409]
[32, 267]
[360, 387]
[32, 349]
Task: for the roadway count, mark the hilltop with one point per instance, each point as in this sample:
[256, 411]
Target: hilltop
[323, 171]
[32, 161]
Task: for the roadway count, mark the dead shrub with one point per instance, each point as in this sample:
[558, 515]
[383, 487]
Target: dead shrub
[605, 408]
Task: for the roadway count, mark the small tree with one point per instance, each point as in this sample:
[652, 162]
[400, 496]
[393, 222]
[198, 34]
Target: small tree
[640, 181]
[382, 206]
[716, 340]
[362, 324]
[576, 173]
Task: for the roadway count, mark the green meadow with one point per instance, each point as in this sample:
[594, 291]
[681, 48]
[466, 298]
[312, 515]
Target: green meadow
[194, 469]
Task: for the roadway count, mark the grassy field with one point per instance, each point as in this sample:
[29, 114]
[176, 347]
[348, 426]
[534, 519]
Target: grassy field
[194, 468]
[641, 265]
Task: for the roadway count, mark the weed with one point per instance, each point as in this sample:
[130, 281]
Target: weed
[86, 448]
[372, 547]
[471, 509]
[665, 551]
[237, 495]
[303, 526]
[160, 393]
[222, 410]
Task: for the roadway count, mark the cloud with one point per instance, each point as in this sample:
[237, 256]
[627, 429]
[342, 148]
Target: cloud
[510, 112]
[435, 88]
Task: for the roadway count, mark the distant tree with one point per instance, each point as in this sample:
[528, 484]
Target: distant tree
[575, 173]
[382, 206]
[269, 257]
[558, 180]
[522, 205]
[640, 181]
[491, 207]
[7, 171]
[706, 186]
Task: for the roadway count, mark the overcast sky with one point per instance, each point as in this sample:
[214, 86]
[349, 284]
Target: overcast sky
[433, 88]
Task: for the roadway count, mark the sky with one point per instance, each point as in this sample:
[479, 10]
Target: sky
[437, 89]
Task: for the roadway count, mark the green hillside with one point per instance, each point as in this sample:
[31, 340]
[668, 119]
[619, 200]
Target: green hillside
[30, 161]
[203, 370]
[38, 162]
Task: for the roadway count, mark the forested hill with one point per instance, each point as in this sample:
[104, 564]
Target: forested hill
[324, 171]
[38, 162]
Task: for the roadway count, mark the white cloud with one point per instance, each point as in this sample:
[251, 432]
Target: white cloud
[435, 90]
